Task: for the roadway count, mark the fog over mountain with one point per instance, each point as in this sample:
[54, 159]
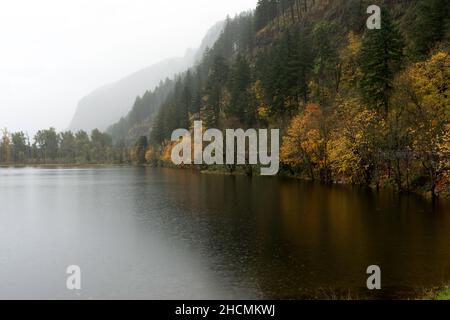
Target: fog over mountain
[106, 105]
[54, 53]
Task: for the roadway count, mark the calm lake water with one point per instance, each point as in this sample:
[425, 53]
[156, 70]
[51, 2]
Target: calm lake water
[172, 234]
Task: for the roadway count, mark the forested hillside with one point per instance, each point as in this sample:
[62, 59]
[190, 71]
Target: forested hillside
[355, 105]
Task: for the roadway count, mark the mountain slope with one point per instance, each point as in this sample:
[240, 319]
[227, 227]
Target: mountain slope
[109, 103]
[353, 105]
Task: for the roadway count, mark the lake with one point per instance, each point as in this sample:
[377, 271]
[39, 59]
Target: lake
[146, 233]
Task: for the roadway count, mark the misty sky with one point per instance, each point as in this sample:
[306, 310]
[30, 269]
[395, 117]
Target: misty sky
[53, 52]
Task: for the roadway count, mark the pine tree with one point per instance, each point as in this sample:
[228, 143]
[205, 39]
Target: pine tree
[140, 149]
[299, 65]
[381, 56]
[217, 79]
[264, 13]
[430, 25]
[239, 83]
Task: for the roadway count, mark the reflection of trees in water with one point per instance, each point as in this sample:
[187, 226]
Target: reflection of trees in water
[289, 238]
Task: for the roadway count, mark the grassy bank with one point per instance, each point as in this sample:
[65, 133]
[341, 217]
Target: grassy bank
[441, 293]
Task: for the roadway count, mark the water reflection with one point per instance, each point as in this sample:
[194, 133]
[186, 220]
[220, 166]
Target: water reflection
[162, 233]
[297, 239]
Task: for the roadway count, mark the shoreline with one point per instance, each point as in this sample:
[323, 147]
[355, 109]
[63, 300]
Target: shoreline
[440, 294]
[424, 195]
[219, 171]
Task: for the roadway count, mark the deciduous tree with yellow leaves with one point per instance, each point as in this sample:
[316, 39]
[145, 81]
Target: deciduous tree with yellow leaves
[355, 146]
[304, 146]
[424, 91]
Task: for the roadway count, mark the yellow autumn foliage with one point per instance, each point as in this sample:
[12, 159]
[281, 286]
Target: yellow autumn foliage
[304, 145]
[166, 154]
[355, 142]
[424, 94]
[262, 108]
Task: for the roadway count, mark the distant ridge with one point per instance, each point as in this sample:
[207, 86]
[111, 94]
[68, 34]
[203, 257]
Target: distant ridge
[107, 104]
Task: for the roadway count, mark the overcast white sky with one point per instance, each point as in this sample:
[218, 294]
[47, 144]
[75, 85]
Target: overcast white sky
[53, 52]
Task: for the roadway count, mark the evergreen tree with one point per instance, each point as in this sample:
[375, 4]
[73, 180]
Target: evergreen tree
[140, 149]
[263, 13]
[430, 25]
[298, 65]
[381, 56]
[326, 62]
[217, 79]
[240, 79]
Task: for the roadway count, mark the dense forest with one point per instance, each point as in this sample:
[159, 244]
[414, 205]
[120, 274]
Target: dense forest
[354, 105]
